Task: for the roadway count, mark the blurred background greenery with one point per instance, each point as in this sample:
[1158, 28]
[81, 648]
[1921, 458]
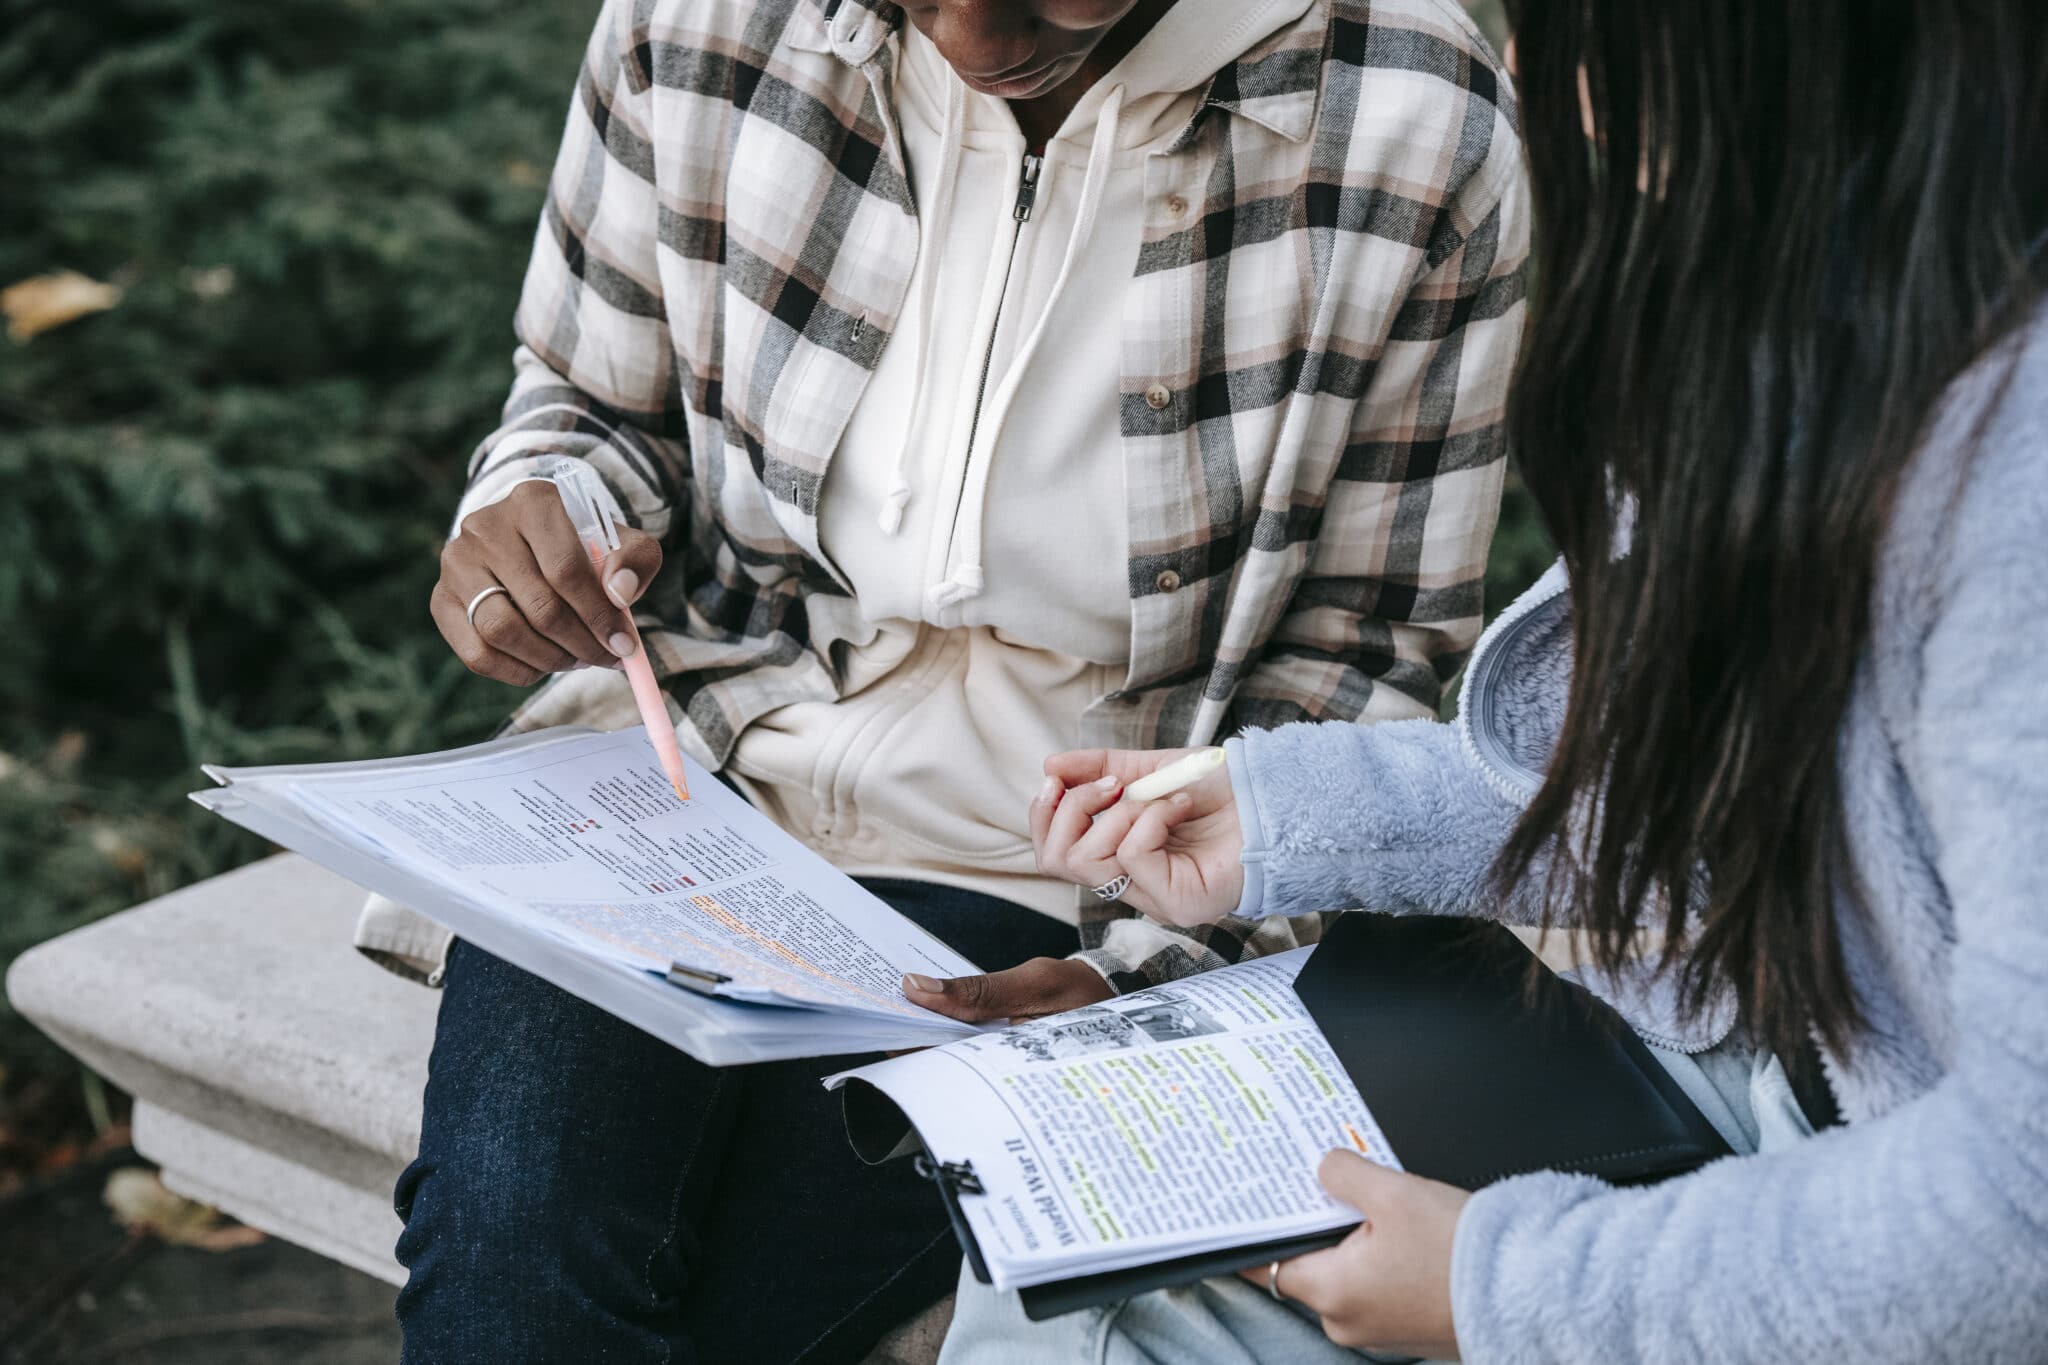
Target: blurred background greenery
[300, 227]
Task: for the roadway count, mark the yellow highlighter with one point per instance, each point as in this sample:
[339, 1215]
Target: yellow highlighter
[1184, 771]
[595, 515]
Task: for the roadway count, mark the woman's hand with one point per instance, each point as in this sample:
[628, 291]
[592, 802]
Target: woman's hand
[1180, 852]
[1387, 1286]
[553, 615]
[1044, 985]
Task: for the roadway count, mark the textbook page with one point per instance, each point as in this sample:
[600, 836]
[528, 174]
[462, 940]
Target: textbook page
[1185, 1118]
[585, 839]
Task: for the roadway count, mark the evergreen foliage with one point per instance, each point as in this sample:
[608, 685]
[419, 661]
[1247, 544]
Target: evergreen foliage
[223, 497]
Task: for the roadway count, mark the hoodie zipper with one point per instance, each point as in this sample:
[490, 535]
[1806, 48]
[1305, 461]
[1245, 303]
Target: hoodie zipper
[1027, 189]
[1020, 212]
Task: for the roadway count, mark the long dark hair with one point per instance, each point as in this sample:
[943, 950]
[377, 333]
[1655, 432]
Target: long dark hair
[1782, 229]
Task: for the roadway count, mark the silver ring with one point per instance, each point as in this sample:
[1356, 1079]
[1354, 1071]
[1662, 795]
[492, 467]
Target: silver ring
[1114, 888]
[1273, 1282]
[470, 611]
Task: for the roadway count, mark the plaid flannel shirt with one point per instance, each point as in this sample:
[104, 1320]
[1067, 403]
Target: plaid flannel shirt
[1324, 312]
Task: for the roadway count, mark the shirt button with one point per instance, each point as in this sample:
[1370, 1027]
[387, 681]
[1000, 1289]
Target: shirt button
[1156, 397]
[1176, 205]
[1168, 581]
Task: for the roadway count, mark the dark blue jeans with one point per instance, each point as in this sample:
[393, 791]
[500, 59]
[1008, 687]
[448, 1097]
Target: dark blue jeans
[585, 1193]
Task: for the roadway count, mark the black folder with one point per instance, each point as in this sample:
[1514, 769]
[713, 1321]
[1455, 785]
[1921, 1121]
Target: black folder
[1475, 1067]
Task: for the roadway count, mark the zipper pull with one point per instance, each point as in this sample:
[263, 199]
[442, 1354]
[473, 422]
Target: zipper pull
[1027, 187]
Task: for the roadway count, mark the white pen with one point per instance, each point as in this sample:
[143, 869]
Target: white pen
[1182, 772]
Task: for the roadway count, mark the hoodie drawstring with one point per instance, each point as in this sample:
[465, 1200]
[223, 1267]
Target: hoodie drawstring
[952, 136]
[965, 580]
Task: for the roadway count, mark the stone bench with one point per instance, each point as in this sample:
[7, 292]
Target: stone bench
[277, 1074]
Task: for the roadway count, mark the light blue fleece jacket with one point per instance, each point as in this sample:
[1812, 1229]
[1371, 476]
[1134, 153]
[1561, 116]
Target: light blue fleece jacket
[1918, 1231]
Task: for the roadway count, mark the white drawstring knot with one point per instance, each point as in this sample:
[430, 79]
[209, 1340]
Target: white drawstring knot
[965, 583]
[891, 518]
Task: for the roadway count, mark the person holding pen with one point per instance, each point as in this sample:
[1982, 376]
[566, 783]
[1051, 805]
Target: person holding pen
[976, 380]
[1785, 406]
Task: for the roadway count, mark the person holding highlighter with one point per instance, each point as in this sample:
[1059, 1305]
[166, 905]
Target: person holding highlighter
[595, 515]
[520, 596]
[897, 335]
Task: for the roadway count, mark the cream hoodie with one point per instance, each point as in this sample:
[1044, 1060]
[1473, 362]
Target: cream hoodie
[976, 502]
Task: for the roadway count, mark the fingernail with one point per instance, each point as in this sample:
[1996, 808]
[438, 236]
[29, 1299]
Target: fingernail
[924, 985]
[1049, 791]
[1182, 799]
[624, 586]
[622, 645]
[1106, 783]
[578, 664]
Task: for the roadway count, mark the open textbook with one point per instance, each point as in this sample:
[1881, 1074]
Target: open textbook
[567, 852]
[1156, 1126]
[1174, 1133]
[1152, 1139]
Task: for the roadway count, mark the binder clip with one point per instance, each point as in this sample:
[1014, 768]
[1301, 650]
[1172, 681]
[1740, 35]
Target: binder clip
[955, 1178]
[697, 979]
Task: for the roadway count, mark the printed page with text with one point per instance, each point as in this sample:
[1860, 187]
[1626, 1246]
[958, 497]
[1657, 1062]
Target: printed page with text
[584, 839]
[1181, 1119]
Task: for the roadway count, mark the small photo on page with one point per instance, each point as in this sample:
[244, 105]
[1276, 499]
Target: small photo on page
[1141, 1021]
